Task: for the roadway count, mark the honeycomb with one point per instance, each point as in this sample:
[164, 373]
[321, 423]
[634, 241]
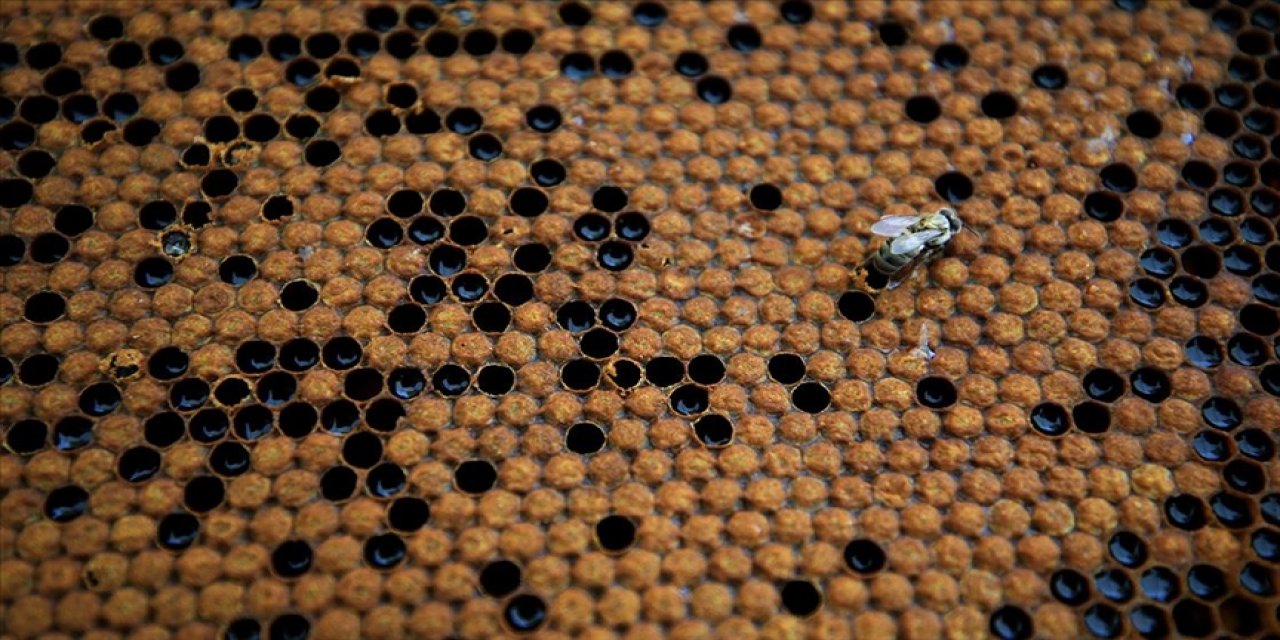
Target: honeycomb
[551, 319]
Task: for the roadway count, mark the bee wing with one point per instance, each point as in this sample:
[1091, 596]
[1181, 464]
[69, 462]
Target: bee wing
[908, 244]
[893, 226]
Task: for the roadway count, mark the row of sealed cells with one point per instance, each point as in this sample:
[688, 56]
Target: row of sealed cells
[401, 44]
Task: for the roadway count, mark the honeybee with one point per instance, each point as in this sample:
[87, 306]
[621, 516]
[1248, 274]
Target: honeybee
[914, 240]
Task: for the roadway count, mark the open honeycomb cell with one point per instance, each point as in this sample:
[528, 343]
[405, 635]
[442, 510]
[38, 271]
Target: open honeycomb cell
[559, 319]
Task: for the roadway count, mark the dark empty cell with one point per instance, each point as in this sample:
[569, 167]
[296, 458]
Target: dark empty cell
[181, 77]
[1050, 419]
[405, 203]
[1244, 476]
[242, 100]
[1150, 384]
[495, 380]
[138, 464]
[323, 45]
[427, 289]
[209, 425]
[164, 51]
[1259, 319]
[1131, 6]
[105, 27]
[14, 193]
[384, 415]
[1144, 124]
[485, 147]
[937, 392]
[341, 353]
[26, 437]
[1256, 231]
[1158, 262]
[689, 400]
[451, 380]
[892, 34]
[277, 207]
[362, 44]
[1221, 123]
[1249, 147]
[447, 260]
[744, 37]
[1050, 76]
[345, 68]
[953, 186]
[197, 155]
[1011, 623]
[302, 72]
[517, 41]
[322, 153]
[1261, 121]
[16, 136]
[276, 388]
[237, 270]
[408, 514]
[255, 356]
[923, 109]
[12, 249]
[402, 95]
[385, 480]
[220, 128]
[714, 90]
[1174, 233]
[649, 14]
[664, 371]
[6, 370]
[44, 307]
[38, 369]
[339, 417]
[152, 273]
[177, 531]
[499, 578]
[616, 65]
[584, 438]
[1207, 582]
[229, 459]
[951, 57]
[1103, 206]
[1232, 96]
[615, 533]
[811, 397]
[338, 484]
[615, 256]
[79, 108]
[617, 314]
[609, 199]
[1160, 584]
[1265, 543]
[381, 18]
[406, 383]
[632, 226]
[547, 173]
[381, 122]
[766, 197]
[420, 17]
[1119, 178]
[1149, 621]
[491, 317]
[1228, 19]
[591, 227]
[65, 504]
[706, 369]
[796, 11]
[284, 47]
[241, 49]
[322, 99]
[252, 422]
[1203, 352]
[1104, 385]
[232, 391]
[1188, 292]
[1244, 68]
[441, 44]
[624, 374]
[99, 400]
[425, 230]
[38, 109]
[140, 133]
[73, 432]
[543, 118]
[1247, 350]
[291, 559]
[470, 287]
[524, 613]
[1186, 512]
[1114, 584]
[580, 375]
[243, 629]
[713, 430]
[407, 318]
[362, 450]
[1257, 579]
[1091, 417]
[576, 316]
[475, 476]
[1128, 549]
[864, 556]
[1000, 105]
[384, 233]
[1232, 511]
[1265, 202]
[362, 384]
[574, 14]
[1255, 444]
[598, 343]
[1216, 231]
[513, 289]
[1211, 446]
[479, 42]
[447, 202]
[219, 182]
[44, 55]
[1069, 587]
